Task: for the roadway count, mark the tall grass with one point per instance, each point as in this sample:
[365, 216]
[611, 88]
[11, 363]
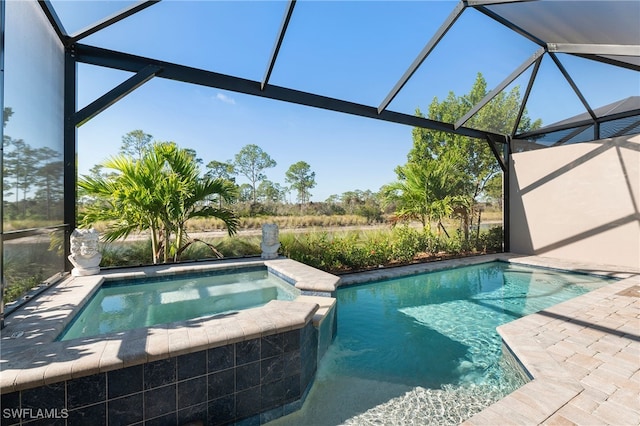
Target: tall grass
[139, 252]
[210, 224]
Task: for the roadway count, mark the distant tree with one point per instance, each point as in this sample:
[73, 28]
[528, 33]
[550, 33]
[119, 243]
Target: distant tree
[135, 143]
[49, 179]
[355, 201]
[21, 164]
[194, 156]
[33, 176]
[351, 199]
[493, 191]
[302, 179]
[219, 169]
[250, 162]
[332, 199]
[270, 192]
[245, 193]
[7, 112]
[97, 171]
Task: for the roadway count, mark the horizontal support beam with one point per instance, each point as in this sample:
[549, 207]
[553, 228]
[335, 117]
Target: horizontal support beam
[115, 94]
[126, 62]
[595, 49]
[572, 125]
[610, 61]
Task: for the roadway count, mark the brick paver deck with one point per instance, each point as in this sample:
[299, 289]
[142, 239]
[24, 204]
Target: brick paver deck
[584, 356]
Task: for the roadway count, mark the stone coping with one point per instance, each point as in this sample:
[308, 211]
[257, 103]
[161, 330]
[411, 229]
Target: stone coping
[304, 277]
[525, 260]
[30, 356]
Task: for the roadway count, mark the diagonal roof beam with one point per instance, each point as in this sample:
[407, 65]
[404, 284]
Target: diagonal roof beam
[519, 30]
[110, 20]
[525, 98]
[490, 2]
[123, 61]
[446, 25]
[276, 47]
[573, 85]
[53, 18]
[507, 81]
[494, 150]
[595, 49]
[115, 94]
[609, 61]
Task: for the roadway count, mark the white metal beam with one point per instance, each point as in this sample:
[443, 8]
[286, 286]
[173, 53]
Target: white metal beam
[595, 49]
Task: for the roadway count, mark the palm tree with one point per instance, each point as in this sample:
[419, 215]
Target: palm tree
[159, 192]
[425, 191]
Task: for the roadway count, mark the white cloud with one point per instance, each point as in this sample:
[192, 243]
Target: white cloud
[226, 99]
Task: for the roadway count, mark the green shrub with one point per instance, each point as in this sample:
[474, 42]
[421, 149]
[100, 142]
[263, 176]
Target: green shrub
[237, 247]
[491, 240]
[407, 242]
[16, 288]
[126, 254]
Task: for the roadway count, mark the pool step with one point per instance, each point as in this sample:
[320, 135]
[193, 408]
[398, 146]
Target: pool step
[210, 301]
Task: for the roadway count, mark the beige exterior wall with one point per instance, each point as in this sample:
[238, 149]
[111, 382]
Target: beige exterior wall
[578, 202]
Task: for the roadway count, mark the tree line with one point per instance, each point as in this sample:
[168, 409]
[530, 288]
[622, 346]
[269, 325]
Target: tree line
[32, 179]
[251, 162]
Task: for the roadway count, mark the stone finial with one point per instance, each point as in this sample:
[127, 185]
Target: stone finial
[84, 252]
[270, 243]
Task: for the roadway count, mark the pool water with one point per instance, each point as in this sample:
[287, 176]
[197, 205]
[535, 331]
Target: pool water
[134, 303]
[423, 349]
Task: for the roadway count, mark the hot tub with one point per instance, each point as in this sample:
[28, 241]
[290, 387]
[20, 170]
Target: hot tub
[129, 303]
[245, 364]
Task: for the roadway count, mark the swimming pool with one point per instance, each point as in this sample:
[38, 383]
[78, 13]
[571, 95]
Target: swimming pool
[126, 304]
[423, 349]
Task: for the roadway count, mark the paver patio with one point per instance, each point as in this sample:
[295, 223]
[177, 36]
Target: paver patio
[584, 355]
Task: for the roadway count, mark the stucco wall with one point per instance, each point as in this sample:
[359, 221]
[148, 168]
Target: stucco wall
[578, 202]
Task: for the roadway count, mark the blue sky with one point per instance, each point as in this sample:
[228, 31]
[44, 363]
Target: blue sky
[349, 50]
